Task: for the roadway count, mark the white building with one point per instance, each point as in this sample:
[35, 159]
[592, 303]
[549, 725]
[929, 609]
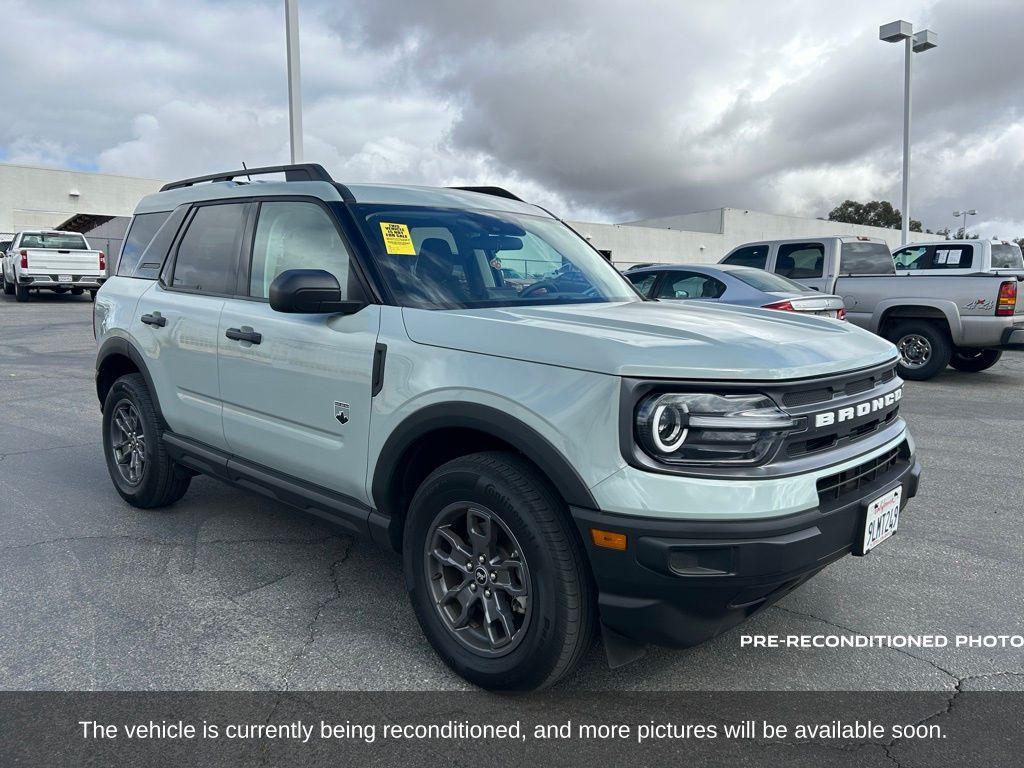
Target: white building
[706, 236]
[99, 205]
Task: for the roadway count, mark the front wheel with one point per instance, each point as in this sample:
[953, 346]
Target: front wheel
[924, 349]
[975, 360]
[496, 573]
[137, 461]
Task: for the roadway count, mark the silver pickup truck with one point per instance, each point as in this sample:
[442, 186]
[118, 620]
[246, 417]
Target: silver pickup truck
[936, 317]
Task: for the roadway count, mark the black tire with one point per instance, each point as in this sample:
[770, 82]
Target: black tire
[159, 482]
[92, 294]
[924, 347]
[8, 287]
[557, 616]
[77, 291]
[20, 293]
[975, 360]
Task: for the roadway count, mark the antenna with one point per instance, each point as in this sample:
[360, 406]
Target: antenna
[246, 168]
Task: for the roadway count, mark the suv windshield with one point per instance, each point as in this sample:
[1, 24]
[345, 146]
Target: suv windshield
[53, 240]
[1006, 256]
[443, 258]
[866, 258]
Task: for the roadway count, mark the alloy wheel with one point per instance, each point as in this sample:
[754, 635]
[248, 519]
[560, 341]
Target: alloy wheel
[128, 441]
[915, 350]
[479, 579]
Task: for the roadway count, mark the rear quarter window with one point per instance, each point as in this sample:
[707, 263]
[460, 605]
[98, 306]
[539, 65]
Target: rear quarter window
[140, 233]
[865, 258]
[1006, 256]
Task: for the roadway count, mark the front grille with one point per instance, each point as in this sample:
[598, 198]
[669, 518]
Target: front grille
[842, 485]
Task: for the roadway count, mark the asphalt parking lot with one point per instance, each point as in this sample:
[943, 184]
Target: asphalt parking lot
[226, 590]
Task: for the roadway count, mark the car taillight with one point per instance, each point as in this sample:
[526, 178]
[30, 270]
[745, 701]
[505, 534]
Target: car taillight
[24, 259]
[103, 261]
[785, 306]
[1007, 298]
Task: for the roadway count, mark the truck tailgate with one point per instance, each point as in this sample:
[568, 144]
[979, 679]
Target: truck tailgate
[48, 261]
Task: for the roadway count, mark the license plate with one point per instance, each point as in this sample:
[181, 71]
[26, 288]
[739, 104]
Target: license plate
[64, 278]
[883, 519]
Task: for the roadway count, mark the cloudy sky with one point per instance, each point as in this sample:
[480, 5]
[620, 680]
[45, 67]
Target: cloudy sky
[604, 110]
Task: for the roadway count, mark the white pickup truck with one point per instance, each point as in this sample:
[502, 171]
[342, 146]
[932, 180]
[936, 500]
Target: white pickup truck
[949, 303]
[49, 260]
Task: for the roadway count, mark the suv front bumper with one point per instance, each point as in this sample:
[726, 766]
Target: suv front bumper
[681, 582]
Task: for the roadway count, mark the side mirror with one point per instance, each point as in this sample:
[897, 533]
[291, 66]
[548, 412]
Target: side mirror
[310, 291]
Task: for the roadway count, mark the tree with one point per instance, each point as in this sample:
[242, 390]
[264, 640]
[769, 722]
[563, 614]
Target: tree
[875, 213]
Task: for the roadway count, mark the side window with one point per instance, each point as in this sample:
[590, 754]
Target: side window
[909, 258]
[643, 282]
[140, 233]
[935, 257]
[749, 256]
[295, 235]
[690, 285]
[207, 257]
[800, 260]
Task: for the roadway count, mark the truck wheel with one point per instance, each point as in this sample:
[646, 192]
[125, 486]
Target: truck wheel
[137, 461]
[924, 349]
[974, 360]
[92, 294]
[20, 293]
[497, 576]
[8, 287]
[77, 291]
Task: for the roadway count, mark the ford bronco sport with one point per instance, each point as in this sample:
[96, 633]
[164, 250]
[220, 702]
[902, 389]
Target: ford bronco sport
[551, 457]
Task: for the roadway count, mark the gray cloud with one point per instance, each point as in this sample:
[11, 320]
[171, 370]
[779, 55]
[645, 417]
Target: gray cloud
[601, 109]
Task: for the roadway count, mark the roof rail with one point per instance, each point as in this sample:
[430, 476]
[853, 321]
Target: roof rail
[495, 191]
[296, 172]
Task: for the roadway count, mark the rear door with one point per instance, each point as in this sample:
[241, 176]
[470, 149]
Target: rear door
[297, 397]
[803, 262]
[178, 319]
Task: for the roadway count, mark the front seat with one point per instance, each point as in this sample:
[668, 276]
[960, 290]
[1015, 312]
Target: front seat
[434, 270]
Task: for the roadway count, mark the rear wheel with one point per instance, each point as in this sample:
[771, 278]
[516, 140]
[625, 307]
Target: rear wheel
[496, 574]
[924, 349]
[92, 294]
[974, 360]
[8, 287]
[20, 293]
[137, 461]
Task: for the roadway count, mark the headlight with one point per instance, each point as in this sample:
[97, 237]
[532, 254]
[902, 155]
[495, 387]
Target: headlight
[698, 428]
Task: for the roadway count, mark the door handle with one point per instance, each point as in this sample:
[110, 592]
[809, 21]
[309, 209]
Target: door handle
[245, 333]
[154, 319]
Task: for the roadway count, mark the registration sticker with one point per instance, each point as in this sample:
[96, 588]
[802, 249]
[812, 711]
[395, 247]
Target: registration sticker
[397, 240]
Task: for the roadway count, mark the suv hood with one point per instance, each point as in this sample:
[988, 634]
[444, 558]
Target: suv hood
[652, 339]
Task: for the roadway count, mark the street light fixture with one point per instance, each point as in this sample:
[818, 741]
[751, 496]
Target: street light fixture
[918, 42]
[965, 214]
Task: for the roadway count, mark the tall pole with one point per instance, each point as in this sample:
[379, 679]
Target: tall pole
[291, 14]
[905, 237]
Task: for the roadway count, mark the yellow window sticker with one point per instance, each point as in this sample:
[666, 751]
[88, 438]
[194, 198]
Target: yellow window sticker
[397, 240]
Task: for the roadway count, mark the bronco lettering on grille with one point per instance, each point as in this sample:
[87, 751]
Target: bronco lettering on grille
[856, 411]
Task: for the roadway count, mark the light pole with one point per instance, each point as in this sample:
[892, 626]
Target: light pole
[924, 40]
[291, 23]
[965, 214]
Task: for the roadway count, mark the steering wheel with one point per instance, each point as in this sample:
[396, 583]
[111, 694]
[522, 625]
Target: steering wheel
[548, 285]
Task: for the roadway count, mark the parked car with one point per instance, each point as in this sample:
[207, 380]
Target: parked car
[547, 461]
[50, 260]
[961, 318]
[959, 257]
[728, 284]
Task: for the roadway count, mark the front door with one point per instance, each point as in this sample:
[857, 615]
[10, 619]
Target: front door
[297, 393]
